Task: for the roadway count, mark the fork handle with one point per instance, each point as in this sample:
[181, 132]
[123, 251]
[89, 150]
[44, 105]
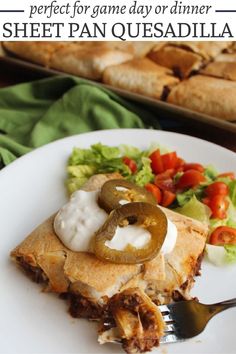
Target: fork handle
[227, 304]
[221, 306]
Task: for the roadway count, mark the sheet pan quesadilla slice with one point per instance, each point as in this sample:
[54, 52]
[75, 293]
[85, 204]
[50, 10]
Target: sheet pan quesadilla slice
[207, 49]
[138, 49]
[226, 57]
[142, 48]
[205, 94]
[88, 61]
[181, 61]
[36, 52]
[141, 76]
[220, 69]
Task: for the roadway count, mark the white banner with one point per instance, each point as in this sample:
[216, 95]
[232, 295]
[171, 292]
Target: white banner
[121, 20]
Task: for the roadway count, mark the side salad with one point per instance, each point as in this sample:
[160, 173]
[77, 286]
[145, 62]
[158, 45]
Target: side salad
[191, 189]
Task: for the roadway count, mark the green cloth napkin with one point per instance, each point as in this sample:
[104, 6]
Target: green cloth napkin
[36, 113]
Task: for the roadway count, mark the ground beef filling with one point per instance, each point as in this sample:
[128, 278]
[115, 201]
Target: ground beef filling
[142, 318]
[80, 307]
[34, 273]
[197, 270]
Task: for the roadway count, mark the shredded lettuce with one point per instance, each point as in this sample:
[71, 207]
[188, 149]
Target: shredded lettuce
[145, 174]
[231, 223]
[130, 151]
[99, 158]
[185, 197]
[155, 146]
[221, 255]
[216, 254]
[232, 192]
[83, 163]
[82, 157]
[81, 171]
[230, 220]
[231, 212]
[78, 175]
[231, 253]
[106, 152]
[196, 210]
[96, 155]
[210, 173]
[226, 180]
[214, 223]
[115, 165]
[177, 177]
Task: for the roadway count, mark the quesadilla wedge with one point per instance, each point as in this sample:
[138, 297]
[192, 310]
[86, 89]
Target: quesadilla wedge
[132, 319]
[105, 291]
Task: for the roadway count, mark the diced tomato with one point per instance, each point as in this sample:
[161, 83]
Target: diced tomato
[130, 163]
[223, 235]
[206, 201]
[164, 180]
[180, 162]
[190, 178]
[150, 187]
[165, 184]
[179, 167]
[217, 188]
[156, 162]
[218, 205]
[193, 166]
[165, 175]
[228, 174]
[169, 160]
[167, 198]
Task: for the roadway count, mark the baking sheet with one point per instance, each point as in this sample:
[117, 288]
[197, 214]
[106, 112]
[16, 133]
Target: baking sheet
[164, 109]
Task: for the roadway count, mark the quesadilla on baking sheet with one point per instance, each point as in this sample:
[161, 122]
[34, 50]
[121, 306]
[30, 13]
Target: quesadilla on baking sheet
[141, 76]
[207, 49]
[36, 52]
[88, 60]
[181, 61]
[223, 70]
[208, 95]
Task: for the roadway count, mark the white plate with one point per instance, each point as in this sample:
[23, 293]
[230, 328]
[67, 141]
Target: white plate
[31, 189]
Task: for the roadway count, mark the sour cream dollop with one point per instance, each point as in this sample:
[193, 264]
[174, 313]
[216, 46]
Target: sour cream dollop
[171, 238]
[139, 237]
[79, 219]
[132, 235]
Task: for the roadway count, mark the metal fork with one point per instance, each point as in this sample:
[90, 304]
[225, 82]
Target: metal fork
[186, 319]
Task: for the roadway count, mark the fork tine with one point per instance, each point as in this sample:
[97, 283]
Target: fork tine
[167, 318]
[163, 308]
[169, 338]
[169, 328]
